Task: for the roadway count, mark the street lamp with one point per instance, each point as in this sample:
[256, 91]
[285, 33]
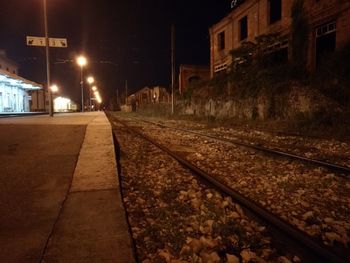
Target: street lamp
[90, 80]
[81, 61]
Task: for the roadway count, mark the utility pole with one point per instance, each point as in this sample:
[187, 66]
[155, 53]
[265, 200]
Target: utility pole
[126, 92]
[117, 98]
[47, 63]
[172, 67]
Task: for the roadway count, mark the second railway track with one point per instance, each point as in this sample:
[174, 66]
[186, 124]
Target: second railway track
[339, 168]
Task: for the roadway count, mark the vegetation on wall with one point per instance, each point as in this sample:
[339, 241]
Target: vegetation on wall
[332, 77]
[255, 70]
[264, 68]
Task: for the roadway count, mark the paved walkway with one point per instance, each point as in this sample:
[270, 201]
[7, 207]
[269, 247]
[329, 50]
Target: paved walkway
[59, 192]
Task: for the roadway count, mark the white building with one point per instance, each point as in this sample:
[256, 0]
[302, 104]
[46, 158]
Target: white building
[62, 104]
[14, 89]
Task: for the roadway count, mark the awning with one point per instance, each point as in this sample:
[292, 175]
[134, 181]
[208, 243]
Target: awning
[17, 81]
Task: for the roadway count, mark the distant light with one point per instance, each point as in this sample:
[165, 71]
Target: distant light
[90, 79]
[81, 60]
[94, 88]
[98, 97]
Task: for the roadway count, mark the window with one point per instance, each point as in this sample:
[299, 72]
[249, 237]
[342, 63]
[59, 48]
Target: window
[275, 8]
[194, 79]
[221, 40]
[243, 28]
[325, 41]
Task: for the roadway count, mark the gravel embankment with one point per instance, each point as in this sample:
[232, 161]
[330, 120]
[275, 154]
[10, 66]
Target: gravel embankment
[175, 218]
[313, 199]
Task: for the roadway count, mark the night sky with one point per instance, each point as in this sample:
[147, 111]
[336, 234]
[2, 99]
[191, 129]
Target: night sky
[122, 39]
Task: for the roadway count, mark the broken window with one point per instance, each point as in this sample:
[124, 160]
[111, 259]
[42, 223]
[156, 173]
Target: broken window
[275, 8]
[221, 40]
[243, 23]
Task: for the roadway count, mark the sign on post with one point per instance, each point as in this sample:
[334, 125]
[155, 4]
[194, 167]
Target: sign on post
[58, 42]
[41, 42]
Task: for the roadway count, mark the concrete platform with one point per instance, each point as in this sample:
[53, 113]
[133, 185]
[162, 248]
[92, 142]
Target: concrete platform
[59, 192]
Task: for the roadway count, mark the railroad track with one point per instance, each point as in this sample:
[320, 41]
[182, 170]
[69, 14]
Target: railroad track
[340, 169]
[308, 248]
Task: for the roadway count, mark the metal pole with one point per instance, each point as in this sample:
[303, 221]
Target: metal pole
[82, 88]
[90, 98]
[117, 98]
[47, 63]
[126, 92]
[172, 67]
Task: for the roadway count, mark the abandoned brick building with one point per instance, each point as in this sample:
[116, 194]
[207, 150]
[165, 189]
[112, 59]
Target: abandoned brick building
[328, 28]
[190, 74]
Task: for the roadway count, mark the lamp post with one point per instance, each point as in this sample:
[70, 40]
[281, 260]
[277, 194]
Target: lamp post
[47, 62]
[81, 61]
[90, 80]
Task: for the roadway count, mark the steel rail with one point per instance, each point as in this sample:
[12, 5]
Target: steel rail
[331, 166]
[318, 251]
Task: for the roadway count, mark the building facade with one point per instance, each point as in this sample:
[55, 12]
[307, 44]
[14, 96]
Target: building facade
[37, 100]
[328, 28]
[148, 95]
[62, 104]
[14, 90]
[190, 74]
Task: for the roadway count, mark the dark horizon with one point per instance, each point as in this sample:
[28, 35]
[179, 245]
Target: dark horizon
[122, 41]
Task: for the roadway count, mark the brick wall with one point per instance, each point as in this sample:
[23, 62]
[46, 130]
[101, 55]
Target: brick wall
[258, 13]
[192, 71]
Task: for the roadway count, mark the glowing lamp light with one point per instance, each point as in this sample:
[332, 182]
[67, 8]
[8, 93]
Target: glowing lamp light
[54, 88]
[98, 97]
[81, 60]
[94, 88]
[90, 79]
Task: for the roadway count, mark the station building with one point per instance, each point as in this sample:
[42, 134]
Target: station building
[14, 90]
[328, 28]
[63, 104]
